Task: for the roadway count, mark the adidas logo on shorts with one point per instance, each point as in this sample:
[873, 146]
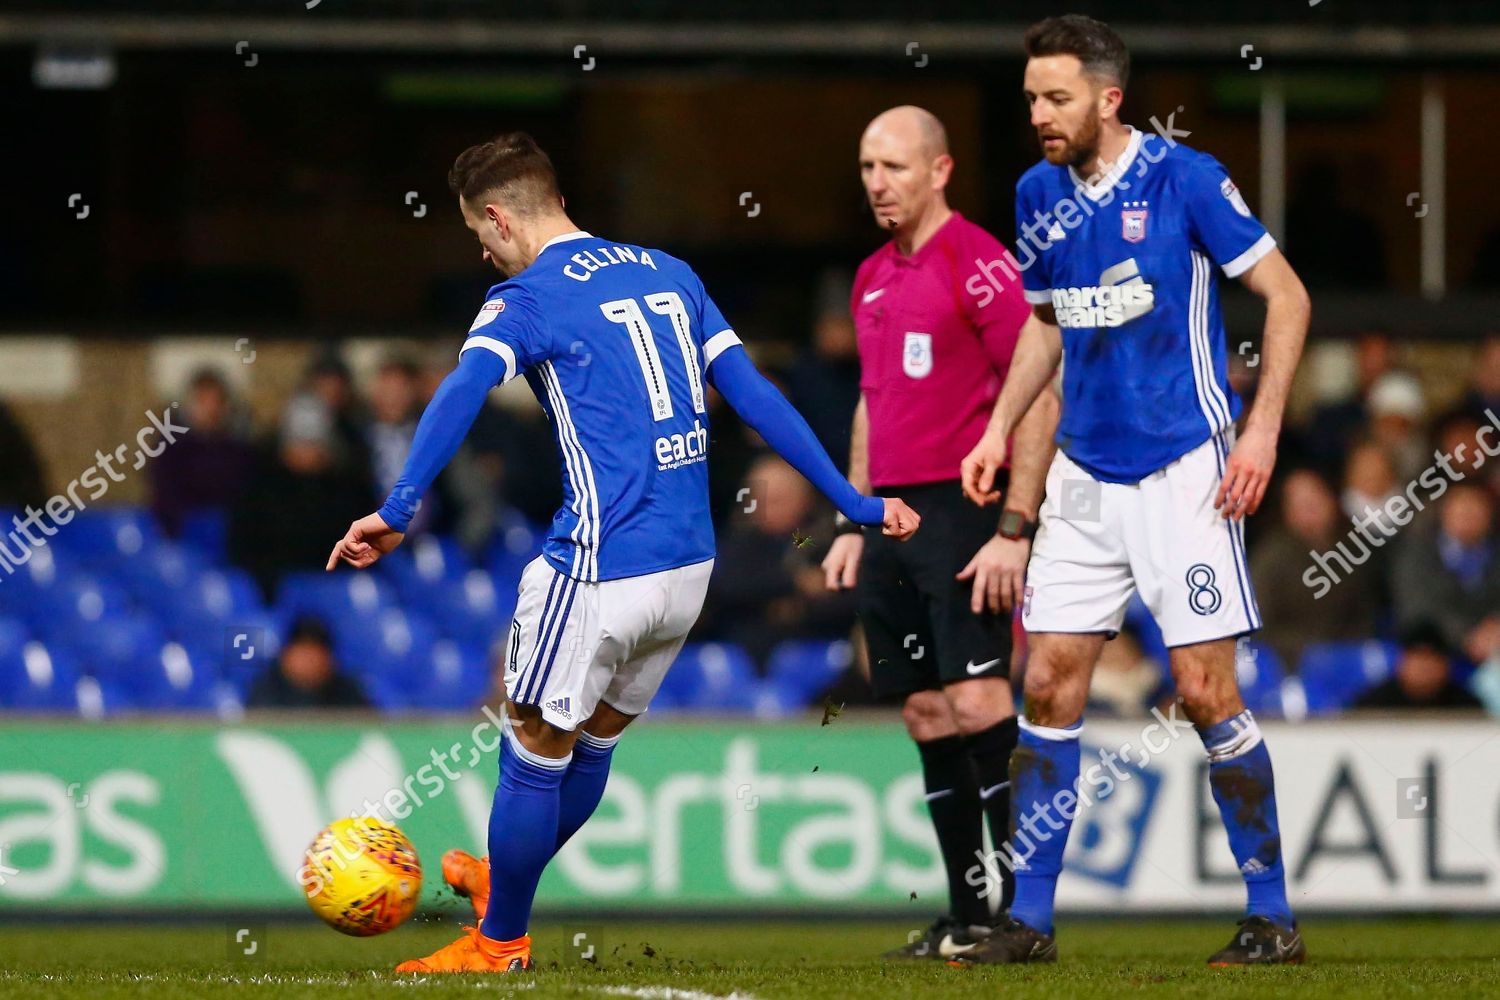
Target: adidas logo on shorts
[562, 706]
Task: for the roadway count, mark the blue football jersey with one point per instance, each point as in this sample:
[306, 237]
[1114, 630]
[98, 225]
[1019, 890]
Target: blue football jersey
[1128, 266]
[615, 341]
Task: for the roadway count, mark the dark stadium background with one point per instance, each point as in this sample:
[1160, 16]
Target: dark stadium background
[248, 214]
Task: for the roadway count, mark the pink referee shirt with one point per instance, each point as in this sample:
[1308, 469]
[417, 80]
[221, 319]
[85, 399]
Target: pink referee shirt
[936, 333]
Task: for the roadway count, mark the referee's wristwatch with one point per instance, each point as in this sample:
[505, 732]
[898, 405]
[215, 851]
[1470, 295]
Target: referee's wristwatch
[1014, 524]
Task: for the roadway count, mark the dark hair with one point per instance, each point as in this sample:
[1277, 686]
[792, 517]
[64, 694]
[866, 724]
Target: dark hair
[512, 165]
[209, 375]
[400, 363]
[1094, 43]
[309, 629]
[1424, 634]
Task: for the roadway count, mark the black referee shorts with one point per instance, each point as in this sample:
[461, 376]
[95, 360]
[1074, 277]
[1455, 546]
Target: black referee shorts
[917, 620]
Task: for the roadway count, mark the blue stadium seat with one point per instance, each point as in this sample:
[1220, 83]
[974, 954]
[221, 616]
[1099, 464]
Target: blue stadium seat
[1260, 673]
[206, 533]
[14, 635]
[36, 581]
[1138, 617]
[168, 678]
[804, 669]
[517, 544]
[391, 643]
[160, 574]
[424, 561]
[776, 699]
[108, 535]
[713, 677]
[1334, 674]
[457, 678]
[116, 648]
[75, 605]
[387, 694]
[95, 699]
[471, 608]
[214, 599]
[34, 678]
[665, 704]
[240, 650]
[334, 597]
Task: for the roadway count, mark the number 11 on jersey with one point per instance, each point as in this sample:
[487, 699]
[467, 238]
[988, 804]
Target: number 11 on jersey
[628, 313]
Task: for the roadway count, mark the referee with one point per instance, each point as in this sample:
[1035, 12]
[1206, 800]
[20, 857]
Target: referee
[936, 334]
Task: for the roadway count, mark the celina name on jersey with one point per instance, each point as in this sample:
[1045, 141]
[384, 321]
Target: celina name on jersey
[582, 265]
[1121, 296]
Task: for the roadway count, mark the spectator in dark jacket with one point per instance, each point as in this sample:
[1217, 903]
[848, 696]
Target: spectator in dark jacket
[824, 383]
[300, 499]
[1310, 522]
[767, 584]
[305, 675]
[208, 467]
[1424, 675]
[1483, 396]
[1451, 577]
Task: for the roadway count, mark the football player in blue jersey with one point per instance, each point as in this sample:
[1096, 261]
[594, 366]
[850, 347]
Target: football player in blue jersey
[619, 343]
[1120, 232]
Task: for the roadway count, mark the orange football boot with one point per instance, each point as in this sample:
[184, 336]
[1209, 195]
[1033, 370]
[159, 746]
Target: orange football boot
[469, 876]
[475, 953]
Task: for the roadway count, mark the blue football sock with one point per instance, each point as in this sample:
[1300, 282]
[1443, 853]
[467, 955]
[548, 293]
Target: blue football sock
[523, 834]
[583, 785]
[1239, 772]
[1043, 785]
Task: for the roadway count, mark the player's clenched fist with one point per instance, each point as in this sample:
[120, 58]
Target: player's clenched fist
[979, 467]
[367, 540]
[900, 520]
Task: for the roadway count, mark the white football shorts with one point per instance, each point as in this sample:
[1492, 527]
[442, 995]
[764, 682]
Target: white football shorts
[1099, 542]
[575, 644]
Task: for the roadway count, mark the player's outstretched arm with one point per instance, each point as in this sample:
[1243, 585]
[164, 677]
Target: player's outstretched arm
[761, 405]
[1288, 312]
[443, 426]
[1038, 352]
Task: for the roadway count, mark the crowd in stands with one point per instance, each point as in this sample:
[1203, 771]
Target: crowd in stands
[241, 520]
[1382, 527]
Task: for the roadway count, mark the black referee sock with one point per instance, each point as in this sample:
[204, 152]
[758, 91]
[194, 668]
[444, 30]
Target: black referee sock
[990, 751]
[953, 801]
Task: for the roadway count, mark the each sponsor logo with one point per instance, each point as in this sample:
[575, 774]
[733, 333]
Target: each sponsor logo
[562, 706]
[676, 450]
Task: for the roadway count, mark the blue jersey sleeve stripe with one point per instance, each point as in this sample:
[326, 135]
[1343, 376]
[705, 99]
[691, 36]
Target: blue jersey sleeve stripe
[1039, 296]
[718, 344]
[498, 347]
[1248, 259]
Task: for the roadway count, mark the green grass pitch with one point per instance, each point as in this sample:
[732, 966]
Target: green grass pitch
[704, 960]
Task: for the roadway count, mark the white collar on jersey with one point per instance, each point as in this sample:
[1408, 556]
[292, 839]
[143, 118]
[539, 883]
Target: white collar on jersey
[1098, 190]
[577, 234]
